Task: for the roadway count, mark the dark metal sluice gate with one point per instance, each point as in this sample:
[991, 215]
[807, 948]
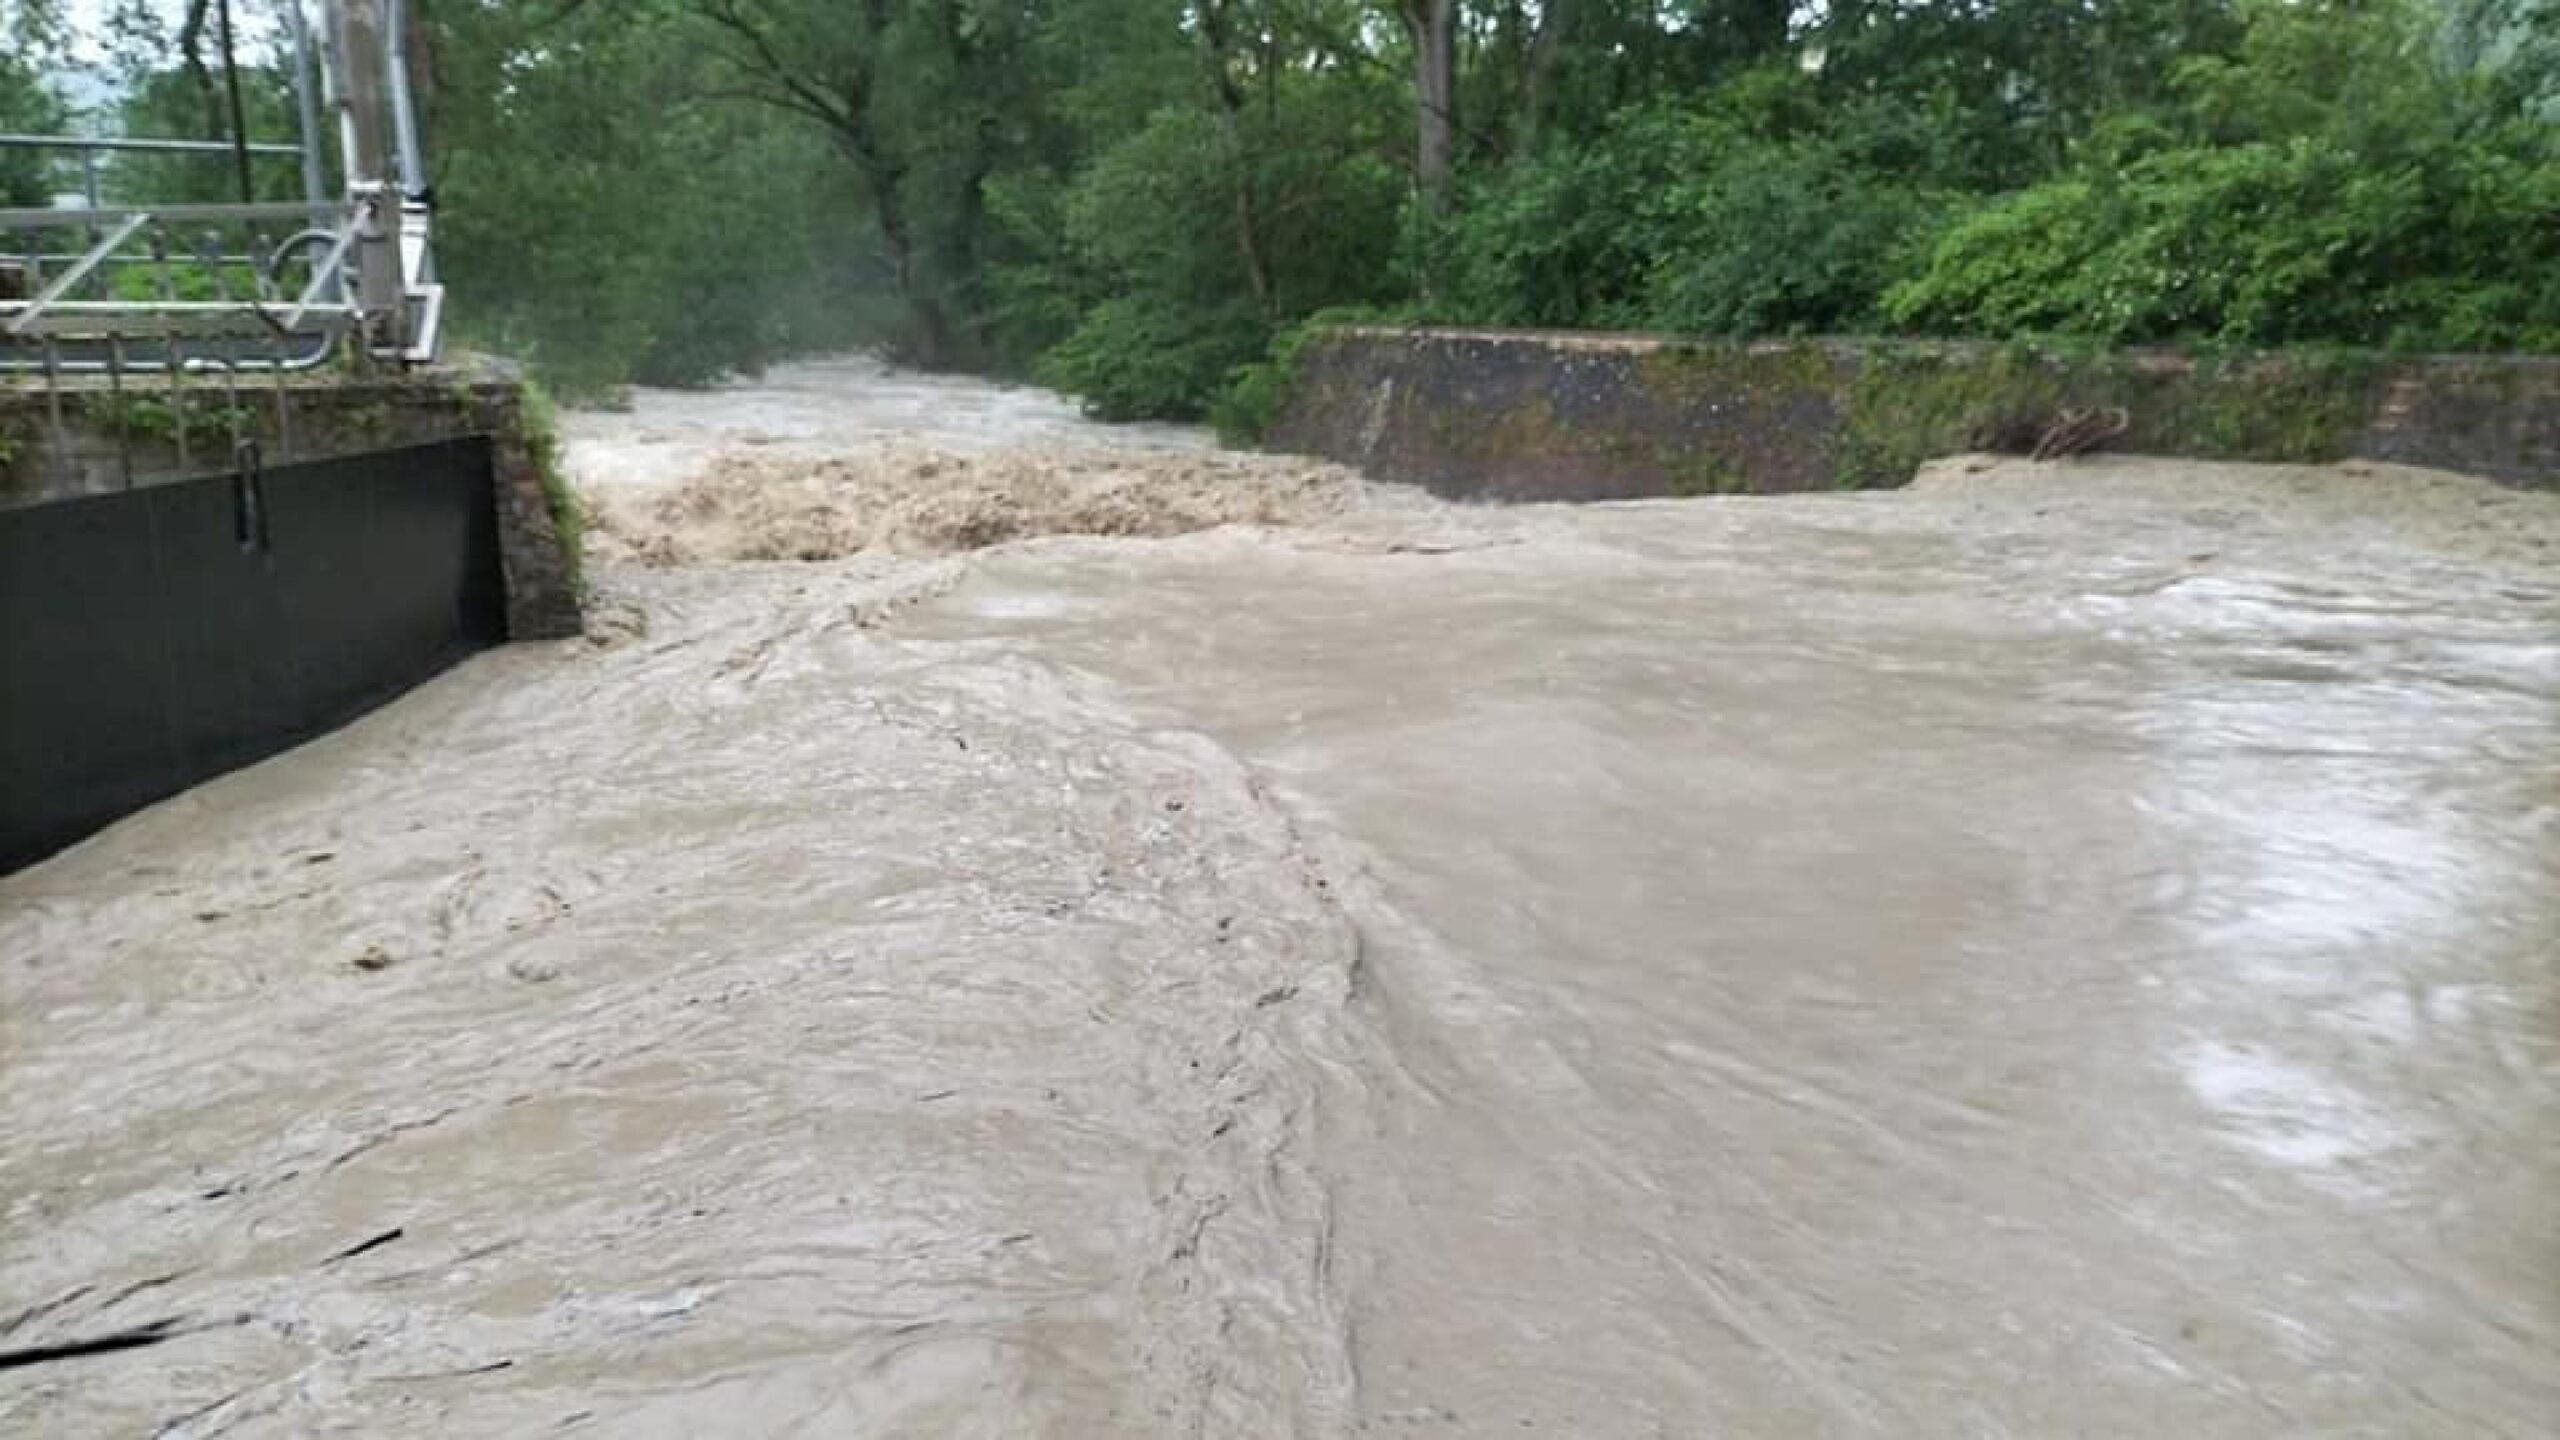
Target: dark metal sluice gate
[156, 638]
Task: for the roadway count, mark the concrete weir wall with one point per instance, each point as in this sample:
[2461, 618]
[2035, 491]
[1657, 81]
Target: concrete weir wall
[1528, 415]
[90, 440]
[178, 600]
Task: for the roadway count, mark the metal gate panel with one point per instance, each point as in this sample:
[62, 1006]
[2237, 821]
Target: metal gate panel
[156, 638]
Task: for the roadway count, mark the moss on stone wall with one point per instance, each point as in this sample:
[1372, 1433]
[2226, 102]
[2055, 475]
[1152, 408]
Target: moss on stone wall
[1907, 404]
[541, 421]
[206, 426]
[2300, 405]
[1524, 415]
[1904, 405]
[1684, 373]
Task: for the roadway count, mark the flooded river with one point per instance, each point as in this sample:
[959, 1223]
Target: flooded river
[2055, 950]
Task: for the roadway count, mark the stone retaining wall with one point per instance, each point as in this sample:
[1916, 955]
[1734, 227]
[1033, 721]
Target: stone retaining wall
[1551, 416]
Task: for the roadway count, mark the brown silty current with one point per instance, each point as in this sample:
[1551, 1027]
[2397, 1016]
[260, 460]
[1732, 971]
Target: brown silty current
[2057, 950]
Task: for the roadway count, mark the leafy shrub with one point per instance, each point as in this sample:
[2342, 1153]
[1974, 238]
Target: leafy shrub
[1565, 237]
[1138, 257]
[1144, 358]
[1784, 238]
[1753, 210]
[1249, 400]
[2330, 183]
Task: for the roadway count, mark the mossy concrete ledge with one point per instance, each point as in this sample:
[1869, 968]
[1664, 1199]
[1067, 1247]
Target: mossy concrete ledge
[86, 439]
[1533, 415]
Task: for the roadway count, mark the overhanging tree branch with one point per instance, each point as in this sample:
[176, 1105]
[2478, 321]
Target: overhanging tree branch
[836, 111]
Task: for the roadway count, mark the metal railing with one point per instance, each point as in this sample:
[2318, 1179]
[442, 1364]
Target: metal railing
[259, 286]
[282, 285]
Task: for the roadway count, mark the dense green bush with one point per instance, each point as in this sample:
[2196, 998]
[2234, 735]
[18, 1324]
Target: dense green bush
[2302, 239]
[1146, 358]
[2329, 183]
[1159, 315]
[1748, 207]
[1784, 237]
[1138, 258]
[1566, 237]
[1249, 399]
[27, 177]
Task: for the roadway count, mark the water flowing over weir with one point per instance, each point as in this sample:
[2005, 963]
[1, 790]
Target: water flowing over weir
[2056, 950]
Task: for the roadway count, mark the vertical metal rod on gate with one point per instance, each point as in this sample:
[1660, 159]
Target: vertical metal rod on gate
[306, 104]
[53, 408]
[115, 400]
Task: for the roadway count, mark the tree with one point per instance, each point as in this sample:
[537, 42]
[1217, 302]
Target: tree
[911, 93]
[25, 105]
[32, 29]
[598, 215]
[1136, 199]
[1431, 27]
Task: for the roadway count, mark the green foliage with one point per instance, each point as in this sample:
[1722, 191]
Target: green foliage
[166, 103]
[205, 424]
[2264, 243]
[1139, 358]
[603, 220]
[1791, 235]
[1142, 200]
[176, 279]
[1570, 236]
[26, 176]
[2262, 173]
[540, 417]
[1906, 404]
[2329, 182]
[1140, 267]
[1249, 400]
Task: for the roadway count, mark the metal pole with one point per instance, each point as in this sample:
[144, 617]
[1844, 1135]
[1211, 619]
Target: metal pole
[89, 183]
[306, 107]
[115, 393]
[53, 409]
[361, 55]
[333, 91]
[404, 115]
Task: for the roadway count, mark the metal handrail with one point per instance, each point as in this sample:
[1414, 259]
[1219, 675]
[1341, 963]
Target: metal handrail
[49, 219]
[146, 145]
[79, 271]
[287, 332]
[372, 276]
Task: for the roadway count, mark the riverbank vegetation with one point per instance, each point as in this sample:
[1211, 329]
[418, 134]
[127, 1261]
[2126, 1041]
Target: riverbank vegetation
[1133, 199]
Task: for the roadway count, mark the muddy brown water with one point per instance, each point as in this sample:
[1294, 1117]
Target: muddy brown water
[2058, 950]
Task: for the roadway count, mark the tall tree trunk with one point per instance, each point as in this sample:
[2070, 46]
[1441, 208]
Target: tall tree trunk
[885, 174]
[1217, 57]
[1433, 26]
[239, 135]
[191, 59]
[1555, 20]
[1763, 24]
[975, 328]
[884, 177]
